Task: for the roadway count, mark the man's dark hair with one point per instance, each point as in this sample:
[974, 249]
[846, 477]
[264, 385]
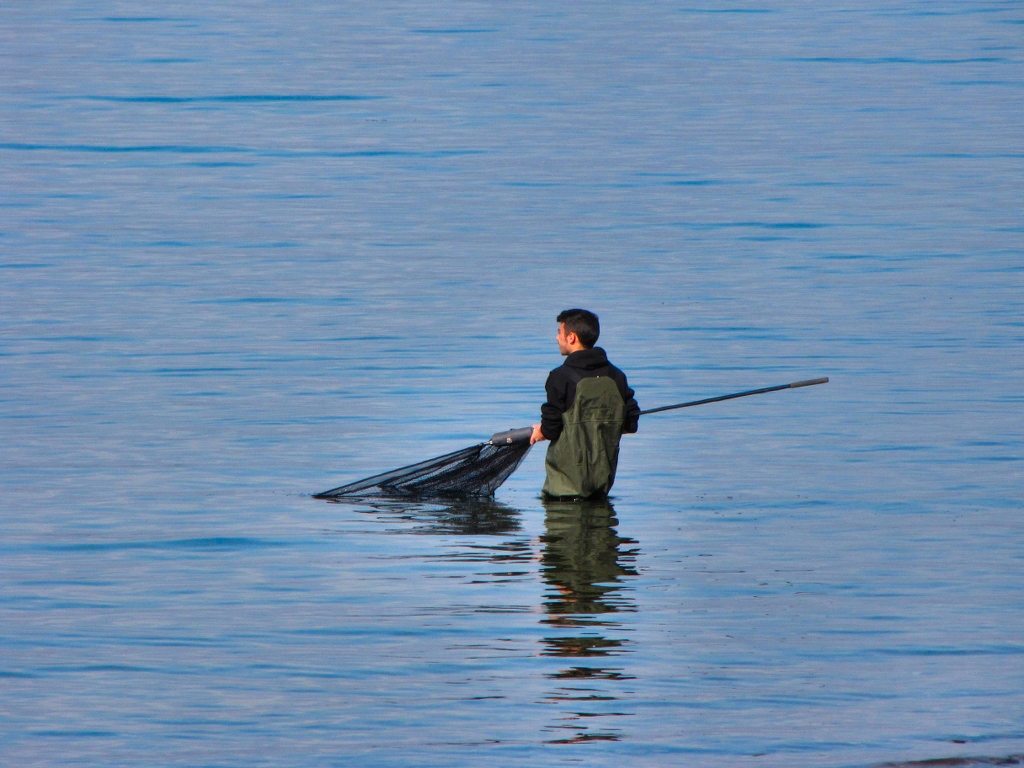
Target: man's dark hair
[583, 323]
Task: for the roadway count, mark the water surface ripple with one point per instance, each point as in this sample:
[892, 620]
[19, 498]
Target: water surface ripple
[249, 252]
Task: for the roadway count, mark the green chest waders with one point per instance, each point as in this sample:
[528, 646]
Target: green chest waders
[582, 461]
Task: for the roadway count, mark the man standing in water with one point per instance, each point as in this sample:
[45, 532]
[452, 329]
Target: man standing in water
[588, 408]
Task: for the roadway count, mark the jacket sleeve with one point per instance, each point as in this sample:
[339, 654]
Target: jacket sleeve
[632, 420]
[552, 410]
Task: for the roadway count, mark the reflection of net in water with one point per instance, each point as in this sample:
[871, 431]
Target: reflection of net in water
[474, 471]
[460, 516]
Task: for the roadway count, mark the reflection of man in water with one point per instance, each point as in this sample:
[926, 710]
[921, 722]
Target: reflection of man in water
[581, 561]
[583, 565]
[589, 405]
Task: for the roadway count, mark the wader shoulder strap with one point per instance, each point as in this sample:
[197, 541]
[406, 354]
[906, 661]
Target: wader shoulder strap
[576, 375]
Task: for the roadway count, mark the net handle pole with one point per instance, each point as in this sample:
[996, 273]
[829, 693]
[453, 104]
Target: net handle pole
[794, 385]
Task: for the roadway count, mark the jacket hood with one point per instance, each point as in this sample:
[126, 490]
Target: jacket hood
[587, 359]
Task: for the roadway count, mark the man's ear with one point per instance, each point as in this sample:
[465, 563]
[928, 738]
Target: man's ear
[571, 338]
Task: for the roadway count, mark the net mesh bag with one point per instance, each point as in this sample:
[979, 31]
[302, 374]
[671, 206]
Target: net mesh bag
[474, 471]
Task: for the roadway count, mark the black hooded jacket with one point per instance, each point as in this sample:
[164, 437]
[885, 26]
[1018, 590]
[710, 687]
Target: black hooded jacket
[561, 389]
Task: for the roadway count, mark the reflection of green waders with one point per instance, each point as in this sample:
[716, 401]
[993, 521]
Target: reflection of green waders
[582, 461]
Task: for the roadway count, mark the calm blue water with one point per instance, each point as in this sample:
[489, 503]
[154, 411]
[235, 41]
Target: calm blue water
[249, 252]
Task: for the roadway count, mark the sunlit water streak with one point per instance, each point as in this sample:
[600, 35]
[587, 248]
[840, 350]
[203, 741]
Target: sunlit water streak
[250, 253]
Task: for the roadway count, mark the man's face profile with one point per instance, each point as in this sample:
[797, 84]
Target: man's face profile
[564, 339]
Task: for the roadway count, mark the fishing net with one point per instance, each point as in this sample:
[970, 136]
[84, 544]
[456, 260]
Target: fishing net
[474, 471]
[477, 471]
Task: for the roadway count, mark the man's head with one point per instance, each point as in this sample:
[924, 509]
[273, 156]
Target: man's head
[577, 329]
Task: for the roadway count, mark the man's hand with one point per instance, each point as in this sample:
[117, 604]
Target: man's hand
[537, 436]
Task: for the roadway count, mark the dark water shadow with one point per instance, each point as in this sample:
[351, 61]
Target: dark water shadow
[585, 565]
[957, 762]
